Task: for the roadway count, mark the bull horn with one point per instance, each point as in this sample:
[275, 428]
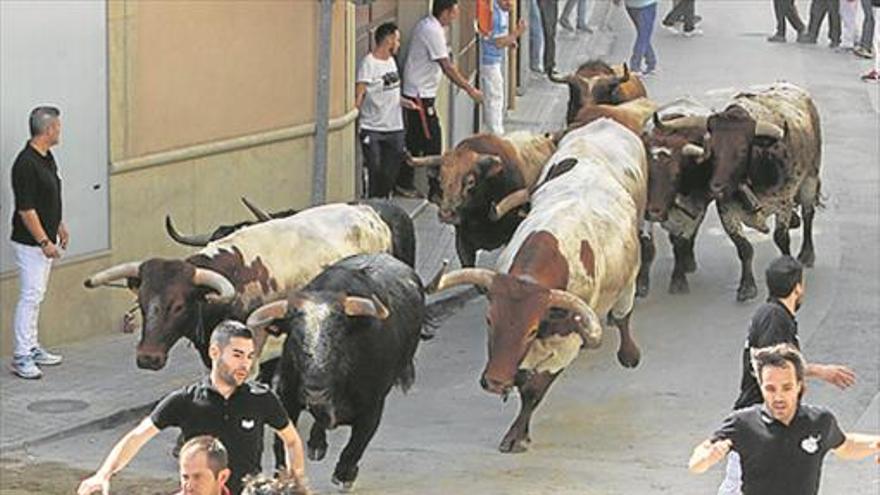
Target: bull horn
[361, 306]
[766, 129]
[509, 203]
[424, 161]
[691, 149]
[590, 329]
[435, 280]
[261, 215]
[686, 122]
[200, 240]
[625, 77]
[658, 124]
[124, 270]
[219, 283]
[559, 79]
[266, 314]
[475, 276]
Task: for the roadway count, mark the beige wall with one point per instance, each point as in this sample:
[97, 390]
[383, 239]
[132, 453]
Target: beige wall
[209, 101]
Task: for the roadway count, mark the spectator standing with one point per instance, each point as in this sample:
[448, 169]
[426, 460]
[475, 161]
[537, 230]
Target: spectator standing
[787, 10]
[581, 23]
[818, 10]
[865, 48]
[643, 14]
[536, 38]
[683, 11]
[38, 237]
[492, 49]
[377, 97]
[849, 9]
[874, 74]
[426, 60]
[549, 10]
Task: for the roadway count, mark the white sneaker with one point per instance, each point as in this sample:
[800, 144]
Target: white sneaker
[25, 367]
[43, 357]
[692, 32]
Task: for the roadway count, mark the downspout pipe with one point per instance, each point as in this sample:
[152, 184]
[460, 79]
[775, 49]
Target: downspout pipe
[322, 104]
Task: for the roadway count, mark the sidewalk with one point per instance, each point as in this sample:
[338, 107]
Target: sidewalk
[99, 385]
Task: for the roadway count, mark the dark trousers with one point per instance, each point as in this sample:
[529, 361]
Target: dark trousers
[549, 15]
[867, 26]
[818, 9]
[417, 142]
[383, 156]
[786, 9]
[684, 11]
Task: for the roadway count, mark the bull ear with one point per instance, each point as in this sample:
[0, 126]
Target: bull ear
[361, 306]
[489, 165]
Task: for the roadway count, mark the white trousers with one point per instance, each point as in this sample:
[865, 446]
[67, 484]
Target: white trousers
[849, 9]
[33, 272]
[492, 85]
[876, 38]
[732, 484]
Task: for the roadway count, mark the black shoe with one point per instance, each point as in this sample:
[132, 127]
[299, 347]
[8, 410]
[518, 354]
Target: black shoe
[777, 38]
[806, 39]
[566, 25]
[834, 44]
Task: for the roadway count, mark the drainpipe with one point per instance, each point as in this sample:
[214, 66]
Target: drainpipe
[322, 105]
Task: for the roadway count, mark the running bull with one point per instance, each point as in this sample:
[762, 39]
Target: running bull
[232, 276]
[596, 82]
[352, 333]
[472, 179]
[202, 240]
[573, 258]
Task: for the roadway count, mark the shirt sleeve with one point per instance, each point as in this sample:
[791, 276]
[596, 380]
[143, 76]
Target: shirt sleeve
[170, 410]
[24, 186]
[728, 430]
[435, 42]
[772, 330]
[276, 415]
[834, 436]
[364, 74]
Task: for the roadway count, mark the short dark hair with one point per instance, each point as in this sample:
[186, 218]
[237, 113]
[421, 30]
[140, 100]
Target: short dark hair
[383, 31]
[263, 485]
[776, 356]
[228, 329]
[441, 6]
[782, 275]
[215, 451]
[40, 119]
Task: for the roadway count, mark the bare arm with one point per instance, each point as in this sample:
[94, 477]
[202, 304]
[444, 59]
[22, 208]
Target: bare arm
[360, 90]
[838, 375]
[32, 222]
[455, 76]
[858, 446]
[294, 449]
[707, 454]
[510, 39]
[123, 452]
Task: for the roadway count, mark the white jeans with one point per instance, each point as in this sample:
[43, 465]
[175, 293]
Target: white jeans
[492, 85]
[848, 12]
[33, 269]
[732, 484]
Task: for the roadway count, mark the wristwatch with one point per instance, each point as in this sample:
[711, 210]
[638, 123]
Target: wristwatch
[44, 243]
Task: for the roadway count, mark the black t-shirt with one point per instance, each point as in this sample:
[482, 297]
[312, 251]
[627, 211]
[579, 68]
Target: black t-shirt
[778, 459]
[772, 324]
[238, 421]
[36, 186]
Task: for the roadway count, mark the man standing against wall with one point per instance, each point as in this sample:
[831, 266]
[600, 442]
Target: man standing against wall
[427, 59]
[37, 234]
[492, 49]
[377, 97]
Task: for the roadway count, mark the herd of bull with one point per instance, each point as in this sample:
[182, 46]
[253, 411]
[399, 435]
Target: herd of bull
[574, 209]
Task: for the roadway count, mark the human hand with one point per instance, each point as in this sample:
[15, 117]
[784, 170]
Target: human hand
[408, 104]
[475, 94]
[837, 375]
[63, 236]
[95, 484]
[718, 449]
[521, 27]
[50, 250]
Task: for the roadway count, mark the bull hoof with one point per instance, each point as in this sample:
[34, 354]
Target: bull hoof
[746, 292]
[629, 358]
[679, 286]
[642, 289]
[513, 445]
[344, 478]
[794, 222]
[690, 264]
[316, 452]
[807, 258]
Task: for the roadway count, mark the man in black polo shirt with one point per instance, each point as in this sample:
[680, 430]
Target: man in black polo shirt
[774, 323]
[781, 442]
[222, 405]
[37, 233]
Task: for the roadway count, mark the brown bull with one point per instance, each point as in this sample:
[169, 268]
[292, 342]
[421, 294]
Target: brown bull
[595, 82]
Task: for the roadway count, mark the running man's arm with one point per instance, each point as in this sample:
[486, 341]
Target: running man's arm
[707, 454]
[836, 374]
[123, 452]
[293, 449]
[858, 446]
[455, 76]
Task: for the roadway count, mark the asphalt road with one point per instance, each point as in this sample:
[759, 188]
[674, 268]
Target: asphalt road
[608, 430]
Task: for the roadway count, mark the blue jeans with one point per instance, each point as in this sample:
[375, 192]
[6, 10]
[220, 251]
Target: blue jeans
[581, 12]
[643, 19]
[536, 37]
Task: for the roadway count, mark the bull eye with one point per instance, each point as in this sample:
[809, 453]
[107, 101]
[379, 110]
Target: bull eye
[470, 181]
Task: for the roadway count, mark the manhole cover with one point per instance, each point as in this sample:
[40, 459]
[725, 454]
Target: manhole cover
[57, 406]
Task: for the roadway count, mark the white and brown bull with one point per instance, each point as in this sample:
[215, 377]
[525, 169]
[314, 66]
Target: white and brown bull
[469, 181]
[573, 260]
[767, 143]
[257, 264]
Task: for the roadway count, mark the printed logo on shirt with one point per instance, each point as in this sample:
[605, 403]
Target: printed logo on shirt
[247, 424]
[390, 80]
[811, 444]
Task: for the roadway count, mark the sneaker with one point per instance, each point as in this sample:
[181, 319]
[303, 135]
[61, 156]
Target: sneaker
[777, 38]
[692, 32]
[585, 29]
[25, 367]
[872, 76]
[863, 52]
[672, 28]
[408, 193]
[806, 39]
[566, 25]
[43, 357]
[833, 44]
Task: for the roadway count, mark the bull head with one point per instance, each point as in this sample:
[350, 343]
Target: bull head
[169, 293]
[517, 308]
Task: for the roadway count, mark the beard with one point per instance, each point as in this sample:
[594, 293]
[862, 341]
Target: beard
[227, 374]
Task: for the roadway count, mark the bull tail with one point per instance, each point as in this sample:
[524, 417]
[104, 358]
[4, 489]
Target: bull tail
[407, 376]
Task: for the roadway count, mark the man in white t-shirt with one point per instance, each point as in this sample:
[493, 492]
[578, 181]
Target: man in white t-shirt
[492, 49]
[377, 96]
[427, 59]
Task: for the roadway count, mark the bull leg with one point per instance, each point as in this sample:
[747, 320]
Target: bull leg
[531, 393]
[732, 226]
[467, 253]
[807, 255]
[628, 353]
[362, 431]
[316, 447]
[643, 282]
[683, 248]
[780, 234]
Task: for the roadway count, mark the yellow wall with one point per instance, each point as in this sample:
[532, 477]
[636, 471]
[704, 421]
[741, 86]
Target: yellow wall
[209, 101]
